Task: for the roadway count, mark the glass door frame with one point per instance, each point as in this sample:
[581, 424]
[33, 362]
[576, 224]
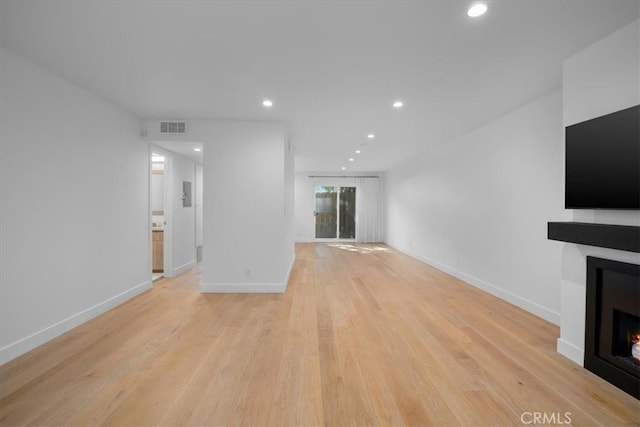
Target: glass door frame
[337, 188]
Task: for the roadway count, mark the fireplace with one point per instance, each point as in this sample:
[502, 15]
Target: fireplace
[612, 320]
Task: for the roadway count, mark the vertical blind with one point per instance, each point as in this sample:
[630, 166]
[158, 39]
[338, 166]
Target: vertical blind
[369, 210]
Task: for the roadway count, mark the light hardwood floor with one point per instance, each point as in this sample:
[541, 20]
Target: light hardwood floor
[364, 335]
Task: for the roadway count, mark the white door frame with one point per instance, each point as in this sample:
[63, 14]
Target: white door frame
[167, 263]
[337, 238]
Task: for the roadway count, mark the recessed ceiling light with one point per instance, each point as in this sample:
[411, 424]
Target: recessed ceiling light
[477, 9]
[197, 149]
[358, 151]
[267, 103]
[344, 168]
[397, 104]
[352, 159]
[371, 136]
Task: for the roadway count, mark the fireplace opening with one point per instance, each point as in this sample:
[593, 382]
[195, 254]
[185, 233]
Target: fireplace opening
[625, 327]
[612, 327]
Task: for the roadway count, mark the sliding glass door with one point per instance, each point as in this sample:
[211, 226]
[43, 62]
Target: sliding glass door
[347, 213]
[335, 212]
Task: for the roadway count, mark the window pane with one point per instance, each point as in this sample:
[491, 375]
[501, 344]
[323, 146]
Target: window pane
[326, 212]
[347, 212]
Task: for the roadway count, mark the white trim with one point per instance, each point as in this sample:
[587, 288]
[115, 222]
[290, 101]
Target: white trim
[249, 288]
[243, 288]
[288, 276]
[525, 304]
[20, 347]
[184, 267]
[570, 351]
[167, 246]
[337, 238]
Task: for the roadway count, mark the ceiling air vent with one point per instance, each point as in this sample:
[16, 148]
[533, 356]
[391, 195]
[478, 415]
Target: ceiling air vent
[173, 127]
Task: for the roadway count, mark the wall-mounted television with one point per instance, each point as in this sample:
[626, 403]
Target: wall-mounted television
[602, 164]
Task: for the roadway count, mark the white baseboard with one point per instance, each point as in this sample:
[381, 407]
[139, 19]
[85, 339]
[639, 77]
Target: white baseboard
[20, 347]
[291, 264]
[243, 288]
[570, 351]
[184, 267]
[525, 304]
[249, 288]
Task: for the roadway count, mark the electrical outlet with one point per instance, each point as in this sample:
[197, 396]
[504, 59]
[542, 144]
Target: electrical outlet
[247, 273]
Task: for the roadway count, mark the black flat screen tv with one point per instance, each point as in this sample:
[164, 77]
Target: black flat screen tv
[602, 164]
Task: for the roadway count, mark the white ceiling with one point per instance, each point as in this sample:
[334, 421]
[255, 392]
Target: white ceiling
[332, 68]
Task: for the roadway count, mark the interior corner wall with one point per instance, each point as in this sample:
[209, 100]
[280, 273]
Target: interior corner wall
[599, 80]
[304, 208]
[74, 189]
[183, 227]
[248, 239]
[477, 207]
[289, 205]
[198, 194]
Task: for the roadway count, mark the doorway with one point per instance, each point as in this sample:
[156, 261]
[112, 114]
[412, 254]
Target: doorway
[335, 212]
[158, 190]
[157, 215]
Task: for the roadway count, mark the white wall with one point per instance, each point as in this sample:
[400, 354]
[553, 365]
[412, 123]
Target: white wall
[289, 206]
[157, 192]
[304, 207]
[182, 220]
[248, 242]
[477, 207]
[248, 228]
[198, 202]
[601, 79]
[74, 222]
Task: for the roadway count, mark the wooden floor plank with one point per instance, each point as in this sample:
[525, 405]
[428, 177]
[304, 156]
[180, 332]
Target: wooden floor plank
[364, 335]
